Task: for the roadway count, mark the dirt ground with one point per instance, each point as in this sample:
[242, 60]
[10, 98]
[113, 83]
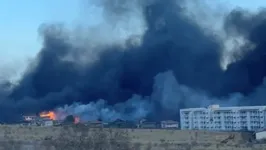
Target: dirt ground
[156, 139]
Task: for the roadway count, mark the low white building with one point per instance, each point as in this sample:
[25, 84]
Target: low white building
[29, 118]
[48, 123]
[250, 118]
[169, 124]
[261, 135]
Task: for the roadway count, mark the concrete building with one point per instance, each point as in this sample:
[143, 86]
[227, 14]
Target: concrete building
[249, 118]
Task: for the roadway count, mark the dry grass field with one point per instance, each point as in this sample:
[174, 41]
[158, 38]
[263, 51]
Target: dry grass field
[80, 137]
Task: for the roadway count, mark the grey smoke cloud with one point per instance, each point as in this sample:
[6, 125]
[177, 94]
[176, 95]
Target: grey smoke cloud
[102, 74]
[133, 109]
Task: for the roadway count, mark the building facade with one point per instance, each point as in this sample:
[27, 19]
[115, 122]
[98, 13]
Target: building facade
[248, 118]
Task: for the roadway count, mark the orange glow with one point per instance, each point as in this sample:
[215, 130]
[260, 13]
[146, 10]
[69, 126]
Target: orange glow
[51, 115]
[77, 120]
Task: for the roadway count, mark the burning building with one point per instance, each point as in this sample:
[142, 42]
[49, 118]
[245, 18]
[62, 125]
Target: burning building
[43, 119]
[51, 115]
[59, 117]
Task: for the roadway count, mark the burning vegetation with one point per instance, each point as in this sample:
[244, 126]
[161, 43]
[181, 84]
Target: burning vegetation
[76, 120]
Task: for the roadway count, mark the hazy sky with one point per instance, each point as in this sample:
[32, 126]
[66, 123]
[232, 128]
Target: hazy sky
[20, 21]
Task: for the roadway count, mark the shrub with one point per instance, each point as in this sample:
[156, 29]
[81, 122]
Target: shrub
[84, 138]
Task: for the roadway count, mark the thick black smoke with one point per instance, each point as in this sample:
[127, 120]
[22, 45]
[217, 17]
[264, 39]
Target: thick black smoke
[171, 42]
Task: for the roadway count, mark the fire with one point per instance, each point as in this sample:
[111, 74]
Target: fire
[77, 120]
[51, 115]
[55, 116]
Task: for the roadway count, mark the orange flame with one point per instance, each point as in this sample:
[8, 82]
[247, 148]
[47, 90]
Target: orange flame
[51, 115]
[77, 120]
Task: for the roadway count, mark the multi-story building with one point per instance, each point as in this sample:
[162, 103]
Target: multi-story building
[250, 118]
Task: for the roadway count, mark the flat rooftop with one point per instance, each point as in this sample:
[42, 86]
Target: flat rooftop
[218, 108]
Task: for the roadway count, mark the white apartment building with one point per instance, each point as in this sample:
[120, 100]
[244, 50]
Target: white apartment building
[251, 118]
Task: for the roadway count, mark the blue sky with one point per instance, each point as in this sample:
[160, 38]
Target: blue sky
[252, 4]
[20, 20]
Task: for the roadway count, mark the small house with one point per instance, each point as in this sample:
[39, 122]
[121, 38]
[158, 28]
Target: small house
[122, 124]
[48, 123]
[260, 135]
[94, 124]
[29, 118]
[44, 122]
[169, 124]
[148, 125]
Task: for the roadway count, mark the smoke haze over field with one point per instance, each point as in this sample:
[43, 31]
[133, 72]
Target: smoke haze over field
[145, 59]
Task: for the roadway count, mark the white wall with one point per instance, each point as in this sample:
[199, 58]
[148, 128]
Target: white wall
[261, 135]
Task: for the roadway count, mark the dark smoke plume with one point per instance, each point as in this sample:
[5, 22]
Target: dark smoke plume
[176, 65]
